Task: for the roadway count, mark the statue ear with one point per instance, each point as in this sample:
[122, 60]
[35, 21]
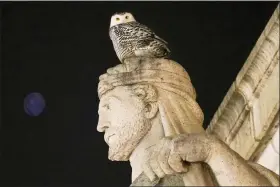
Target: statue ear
[148, 94]
[151, 110]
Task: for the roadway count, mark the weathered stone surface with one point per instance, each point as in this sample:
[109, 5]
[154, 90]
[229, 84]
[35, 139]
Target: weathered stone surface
[247, 118]
[269, 156]
[150, 117]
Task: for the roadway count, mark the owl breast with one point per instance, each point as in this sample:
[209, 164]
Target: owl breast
[130, 40]
[123, 45]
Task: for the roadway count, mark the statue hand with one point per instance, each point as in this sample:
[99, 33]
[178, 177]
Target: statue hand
[172, 155]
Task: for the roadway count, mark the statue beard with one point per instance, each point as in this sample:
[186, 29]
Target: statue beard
[128, 137]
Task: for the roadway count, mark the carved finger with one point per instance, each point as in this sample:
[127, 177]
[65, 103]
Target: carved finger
[176, 162]
[156, 168]
[154, 163]
[163, 159]
[149, 171]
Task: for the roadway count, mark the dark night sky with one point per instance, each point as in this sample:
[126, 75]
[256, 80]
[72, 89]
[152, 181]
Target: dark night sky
[60, 49]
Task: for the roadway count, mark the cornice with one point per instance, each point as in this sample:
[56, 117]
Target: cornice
[249, 83]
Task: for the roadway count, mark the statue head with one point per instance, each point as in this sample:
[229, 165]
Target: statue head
[142, 90]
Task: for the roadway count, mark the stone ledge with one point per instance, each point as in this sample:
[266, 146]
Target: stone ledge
[251, 82]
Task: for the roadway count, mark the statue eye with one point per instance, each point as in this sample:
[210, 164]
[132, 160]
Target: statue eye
[118, 19]
[126, 17]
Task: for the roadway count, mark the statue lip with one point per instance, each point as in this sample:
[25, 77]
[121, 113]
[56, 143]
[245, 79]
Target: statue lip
[108, 137]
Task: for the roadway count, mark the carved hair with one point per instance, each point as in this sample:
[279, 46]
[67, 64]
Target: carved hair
[147, 92]
[177, 113]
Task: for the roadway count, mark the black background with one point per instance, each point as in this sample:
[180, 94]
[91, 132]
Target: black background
[60, 49]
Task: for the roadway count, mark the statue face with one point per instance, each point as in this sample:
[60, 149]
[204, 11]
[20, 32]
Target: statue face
[122, 118]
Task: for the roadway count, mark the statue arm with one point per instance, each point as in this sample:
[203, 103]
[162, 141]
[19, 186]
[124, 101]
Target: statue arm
[228, 168]
[231, 169]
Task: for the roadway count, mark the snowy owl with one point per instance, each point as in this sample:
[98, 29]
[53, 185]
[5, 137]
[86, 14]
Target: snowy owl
[133, 39]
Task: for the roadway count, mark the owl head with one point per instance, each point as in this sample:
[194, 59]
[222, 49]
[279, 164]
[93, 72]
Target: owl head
[123, 17]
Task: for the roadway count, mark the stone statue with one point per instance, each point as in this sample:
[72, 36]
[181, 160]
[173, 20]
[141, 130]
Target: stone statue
[150, 116]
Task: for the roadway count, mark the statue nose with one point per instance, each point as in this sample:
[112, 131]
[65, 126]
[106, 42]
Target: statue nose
[102, 126]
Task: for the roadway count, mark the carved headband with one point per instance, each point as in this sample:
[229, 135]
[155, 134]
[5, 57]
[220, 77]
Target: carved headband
[163, 73]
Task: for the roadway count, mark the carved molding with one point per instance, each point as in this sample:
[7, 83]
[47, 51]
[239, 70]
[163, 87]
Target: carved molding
[252, 101]
[270, 138]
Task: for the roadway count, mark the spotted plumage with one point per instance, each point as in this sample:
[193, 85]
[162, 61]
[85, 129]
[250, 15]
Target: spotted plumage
[131, 38]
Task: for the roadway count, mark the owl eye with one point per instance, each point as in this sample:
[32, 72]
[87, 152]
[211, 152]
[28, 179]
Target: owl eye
[118, 19]
[126, 17]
